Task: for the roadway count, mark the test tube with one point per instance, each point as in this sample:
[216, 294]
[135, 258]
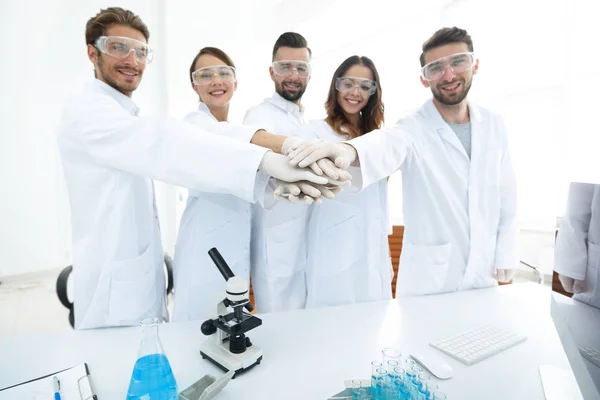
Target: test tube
[381, 382]
[424, 378]
[415, 380]
[439, 396]
[408, 364]
[390, 353]
[391, 366]
[356, 386]
[374, 366]
[422, 392]
[430, 388]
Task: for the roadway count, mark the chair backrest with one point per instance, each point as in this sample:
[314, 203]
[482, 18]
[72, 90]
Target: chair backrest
[395, 242]
[63, 279]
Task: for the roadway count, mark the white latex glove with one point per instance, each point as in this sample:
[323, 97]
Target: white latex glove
[333, 172]
[342, 154]
[505, 275]
[571, 285]
[320, 167]
[278, 166]
[286, 147]
[304, 192]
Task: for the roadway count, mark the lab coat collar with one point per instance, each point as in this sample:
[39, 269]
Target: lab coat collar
[123, 100]
[285, 105]
[433, 117]
[204, 108]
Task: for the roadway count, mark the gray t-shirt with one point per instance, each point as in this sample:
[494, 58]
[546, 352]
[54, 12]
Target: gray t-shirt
[463, 132]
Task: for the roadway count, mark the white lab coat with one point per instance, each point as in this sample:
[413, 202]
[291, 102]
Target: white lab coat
[110, 156]
[577, 250]
[348, 251]
[210, 220]
[460, 214]
[278, 246]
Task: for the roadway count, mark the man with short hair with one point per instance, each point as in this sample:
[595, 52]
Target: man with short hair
[110, 156]
[278, 244]
[459, 190]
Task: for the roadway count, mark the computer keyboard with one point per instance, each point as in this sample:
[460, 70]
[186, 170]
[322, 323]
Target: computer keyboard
[593, 355]
[477, 344]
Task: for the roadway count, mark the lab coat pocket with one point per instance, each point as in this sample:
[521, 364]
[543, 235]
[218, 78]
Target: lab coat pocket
[422, 269]
[133, 288]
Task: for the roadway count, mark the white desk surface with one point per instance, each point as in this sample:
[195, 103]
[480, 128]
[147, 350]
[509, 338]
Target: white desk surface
[580, 327]
[309, 353]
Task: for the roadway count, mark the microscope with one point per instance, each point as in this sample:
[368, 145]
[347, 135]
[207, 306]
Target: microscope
[227, 346]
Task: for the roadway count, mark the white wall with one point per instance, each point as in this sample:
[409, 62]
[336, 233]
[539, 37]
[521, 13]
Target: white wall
[43, 61]
[584, 102]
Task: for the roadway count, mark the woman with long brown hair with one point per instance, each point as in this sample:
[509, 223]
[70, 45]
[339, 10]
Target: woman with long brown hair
[348, 253]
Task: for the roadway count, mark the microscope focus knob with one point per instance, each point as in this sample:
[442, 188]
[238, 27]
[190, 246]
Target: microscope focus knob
[208, 327]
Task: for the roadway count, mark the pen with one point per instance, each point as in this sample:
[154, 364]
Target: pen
[56, 388]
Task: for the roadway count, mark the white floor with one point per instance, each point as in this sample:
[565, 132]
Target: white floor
[28, 303]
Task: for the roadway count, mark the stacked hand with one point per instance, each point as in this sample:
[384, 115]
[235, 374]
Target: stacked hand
[304, 192]
[571, 285]
[308, 153]
[319, 166]
[302, 185]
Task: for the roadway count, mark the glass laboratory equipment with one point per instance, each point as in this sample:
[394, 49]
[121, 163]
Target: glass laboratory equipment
[374, 366]
[152, 377]
[381, 380]
[358, 392]
[390, 353]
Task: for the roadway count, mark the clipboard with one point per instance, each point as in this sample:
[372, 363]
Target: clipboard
[74, 385]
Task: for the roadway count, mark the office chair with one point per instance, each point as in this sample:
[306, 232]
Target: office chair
[63, 278]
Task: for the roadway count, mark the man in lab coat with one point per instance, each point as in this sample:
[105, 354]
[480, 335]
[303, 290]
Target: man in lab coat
[110, 156]
[459, 189]
[278, 245]
[577, 250]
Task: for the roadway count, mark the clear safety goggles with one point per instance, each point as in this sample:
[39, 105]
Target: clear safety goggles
[287, 67]
[121, 47]
[459, 62]
[206, 75]
[347, 84]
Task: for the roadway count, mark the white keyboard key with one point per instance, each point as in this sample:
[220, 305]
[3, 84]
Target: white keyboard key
[477, 344]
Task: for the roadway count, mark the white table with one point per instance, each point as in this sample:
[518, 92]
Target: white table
[579, 326]
[308, 354]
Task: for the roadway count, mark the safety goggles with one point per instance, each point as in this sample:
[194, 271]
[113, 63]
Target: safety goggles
[347, 84]
[287, 67]
[459, 62]
[206, 75]
[121, 47]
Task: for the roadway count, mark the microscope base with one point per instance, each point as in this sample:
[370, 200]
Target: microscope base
[227, 361]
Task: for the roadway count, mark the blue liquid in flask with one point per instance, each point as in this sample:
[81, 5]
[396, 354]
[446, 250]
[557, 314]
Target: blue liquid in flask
[152, 379]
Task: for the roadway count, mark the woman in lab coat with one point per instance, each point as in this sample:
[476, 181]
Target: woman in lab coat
[348, 252]
[577, 250]
[210, 219]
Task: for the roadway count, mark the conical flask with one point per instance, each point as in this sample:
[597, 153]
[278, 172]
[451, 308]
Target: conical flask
[152, 377]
